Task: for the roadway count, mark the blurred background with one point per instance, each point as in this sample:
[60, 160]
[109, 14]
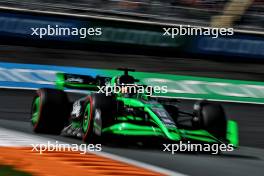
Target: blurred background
[242, 14]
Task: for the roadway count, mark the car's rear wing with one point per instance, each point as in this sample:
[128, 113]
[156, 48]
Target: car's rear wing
[81, 82]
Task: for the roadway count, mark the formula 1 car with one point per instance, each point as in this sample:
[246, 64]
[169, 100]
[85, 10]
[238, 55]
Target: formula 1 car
[99, 115]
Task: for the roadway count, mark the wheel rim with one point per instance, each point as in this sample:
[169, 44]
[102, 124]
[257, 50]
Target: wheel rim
[98, 122]
[86, 118]
[35, 111]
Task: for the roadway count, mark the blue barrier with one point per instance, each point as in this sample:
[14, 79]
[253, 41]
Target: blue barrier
[237, 45]
[129, 33]
[15, 25]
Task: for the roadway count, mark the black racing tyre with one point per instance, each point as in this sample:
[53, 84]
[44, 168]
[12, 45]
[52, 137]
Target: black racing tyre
[98, 113]
[211, 117]
[172, 110]
[50, 111]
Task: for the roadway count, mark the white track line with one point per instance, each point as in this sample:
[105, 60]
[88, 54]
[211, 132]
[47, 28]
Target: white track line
[21, 139]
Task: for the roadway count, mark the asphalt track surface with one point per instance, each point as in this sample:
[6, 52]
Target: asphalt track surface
[247, 160]
[185, 66]
[15, 113]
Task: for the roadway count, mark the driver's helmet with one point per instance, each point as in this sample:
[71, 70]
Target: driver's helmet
[125, 81]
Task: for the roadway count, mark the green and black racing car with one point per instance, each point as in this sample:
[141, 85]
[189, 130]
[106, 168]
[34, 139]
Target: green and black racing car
[98, 116]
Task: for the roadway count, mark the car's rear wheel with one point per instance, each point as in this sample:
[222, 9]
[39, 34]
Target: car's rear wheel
[50, 111]
[98, 113]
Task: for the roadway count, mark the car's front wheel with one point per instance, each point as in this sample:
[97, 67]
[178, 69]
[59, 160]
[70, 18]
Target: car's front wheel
[211, 117]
